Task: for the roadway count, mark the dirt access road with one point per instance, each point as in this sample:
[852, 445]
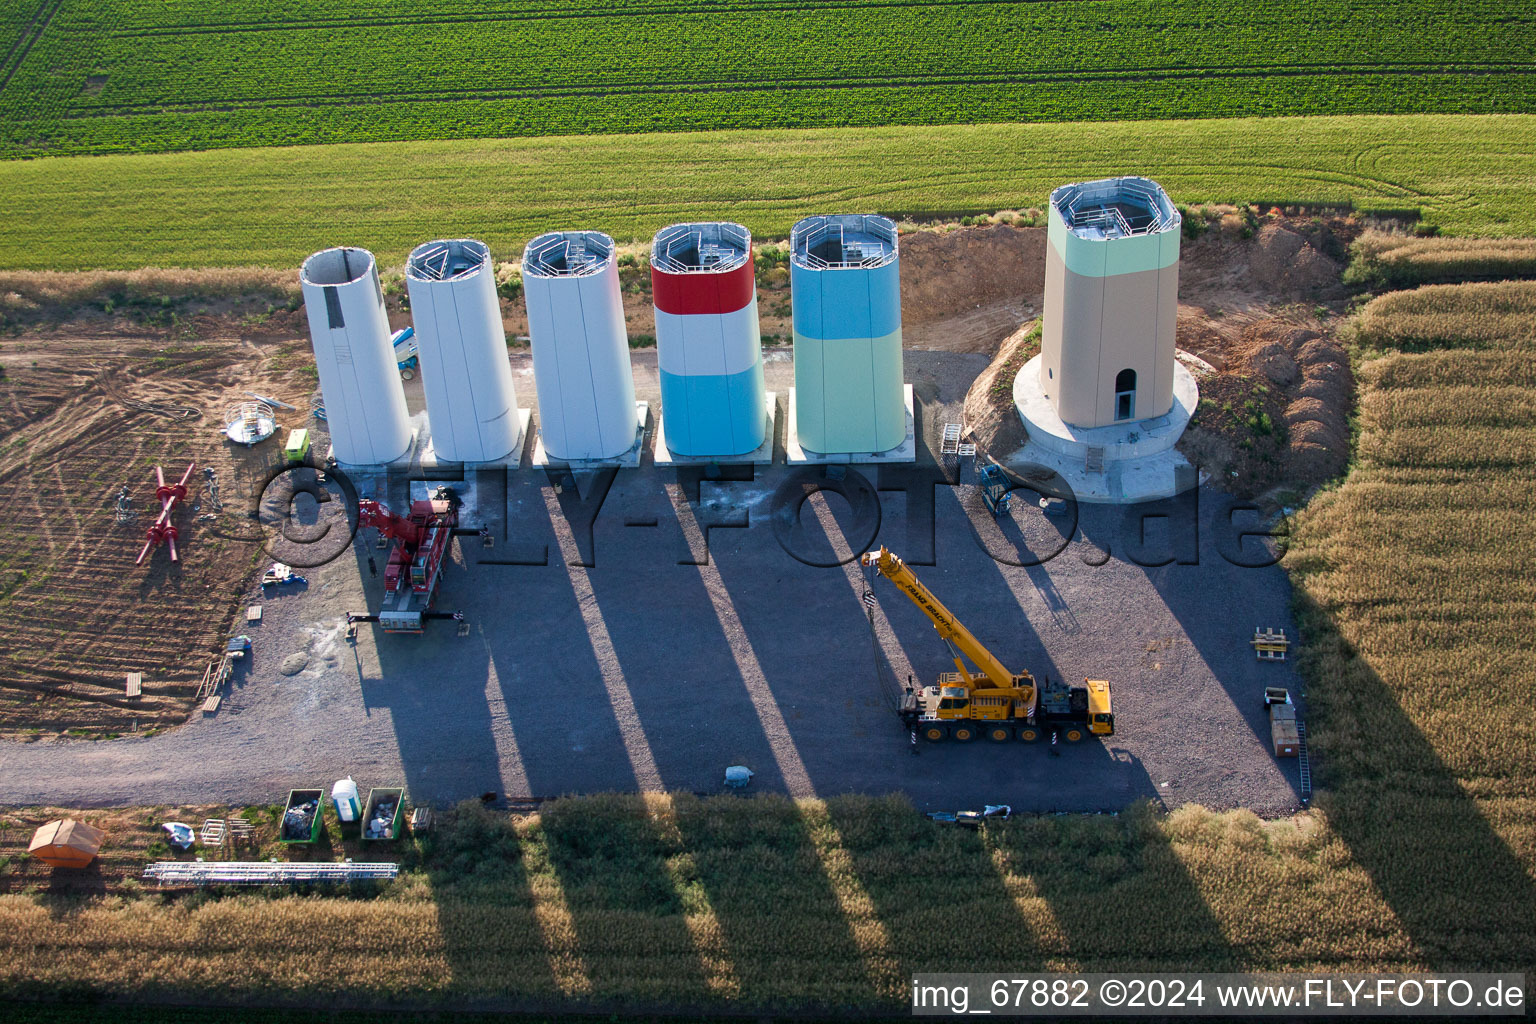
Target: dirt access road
[641, 671]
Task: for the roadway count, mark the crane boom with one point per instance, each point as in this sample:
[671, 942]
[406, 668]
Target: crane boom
[960, 640]
[999, 703]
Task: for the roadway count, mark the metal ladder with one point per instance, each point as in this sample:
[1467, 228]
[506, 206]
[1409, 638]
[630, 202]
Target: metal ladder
[1303, 762]
[949, 444]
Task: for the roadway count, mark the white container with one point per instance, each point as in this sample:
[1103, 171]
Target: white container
[580, 348]
[465, 373]
[364, 400]
[345, 796]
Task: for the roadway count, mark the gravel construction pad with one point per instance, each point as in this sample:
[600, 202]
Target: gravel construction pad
[638, 672]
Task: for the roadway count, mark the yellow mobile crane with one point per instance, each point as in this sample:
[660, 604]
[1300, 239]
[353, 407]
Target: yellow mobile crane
[994, 701]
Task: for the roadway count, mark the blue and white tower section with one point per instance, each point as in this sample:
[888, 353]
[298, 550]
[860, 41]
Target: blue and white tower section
[708, 342]
[845, 288]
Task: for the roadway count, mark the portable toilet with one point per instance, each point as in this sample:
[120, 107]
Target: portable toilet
[345, 796]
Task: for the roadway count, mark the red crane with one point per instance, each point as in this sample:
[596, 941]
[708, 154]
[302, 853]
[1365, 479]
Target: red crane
[421, 539]
[163, 532]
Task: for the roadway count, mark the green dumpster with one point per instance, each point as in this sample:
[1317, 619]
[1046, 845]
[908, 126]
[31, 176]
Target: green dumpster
[303, 817]
[383, 814]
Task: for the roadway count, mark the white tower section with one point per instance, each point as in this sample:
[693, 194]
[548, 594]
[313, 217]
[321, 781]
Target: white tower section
[580, 348]
[471, 402]
[364, 402]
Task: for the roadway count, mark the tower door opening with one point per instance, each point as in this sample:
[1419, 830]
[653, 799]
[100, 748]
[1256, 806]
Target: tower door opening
[1125, 395]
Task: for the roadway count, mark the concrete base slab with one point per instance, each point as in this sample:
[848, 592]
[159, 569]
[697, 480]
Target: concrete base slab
[1135, 439]
[796, 455]
[427, 457]
[1122, 482]
[762, 455]
[629, 460]
[357, 469]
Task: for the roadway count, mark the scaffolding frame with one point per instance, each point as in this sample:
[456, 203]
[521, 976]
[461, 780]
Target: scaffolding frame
[447, 259]
[568, 254]
[1095, 206]
[709, 247]
[864, 241]
[257, 872]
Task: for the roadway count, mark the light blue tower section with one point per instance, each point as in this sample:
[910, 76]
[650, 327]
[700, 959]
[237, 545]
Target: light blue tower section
[715, 414]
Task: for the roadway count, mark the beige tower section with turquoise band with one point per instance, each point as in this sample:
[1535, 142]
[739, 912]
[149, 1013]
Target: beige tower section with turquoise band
[1111, 302]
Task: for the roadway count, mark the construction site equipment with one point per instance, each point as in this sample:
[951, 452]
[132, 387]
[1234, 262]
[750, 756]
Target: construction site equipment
[164, 531]
[384, 814]
[421, 820]
[737, 776]
[1276, 695]
[949, 442]
[133, 684]
[1270, 644]
[272, 401]
[211, 487]
[124, 511]
[407, 355]
[1304, 762]
[1283, 727]
[249, 423]
[1285, 736]
[345, 798]
[296, 448]
[971, 819]
[178, 835]
[240, 831]
[214, 833]
[281, 575]
[420, 546]
[236, 872]
[303, 816]
[994, 489]
[994, 702]
[238, 647]
[66, 843]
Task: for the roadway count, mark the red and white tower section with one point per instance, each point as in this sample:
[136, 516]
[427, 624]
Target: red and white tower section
[708, 344]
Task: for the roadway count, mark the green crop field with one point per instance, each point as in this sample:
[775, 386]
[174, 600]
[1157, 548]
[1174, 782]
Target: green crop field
[1469, 174]
[100, 76]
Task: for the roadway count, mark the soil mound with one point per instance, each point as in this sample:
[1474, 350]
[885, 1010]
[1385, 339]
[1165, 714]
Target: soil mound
[945, 273]
[988, 416]
[1279, 412]
[1286, 262]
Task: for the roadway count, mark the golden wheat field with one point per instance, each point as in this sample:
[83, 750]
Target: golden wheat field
[1416, 593]
[1496, 318]
[1401, 261]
